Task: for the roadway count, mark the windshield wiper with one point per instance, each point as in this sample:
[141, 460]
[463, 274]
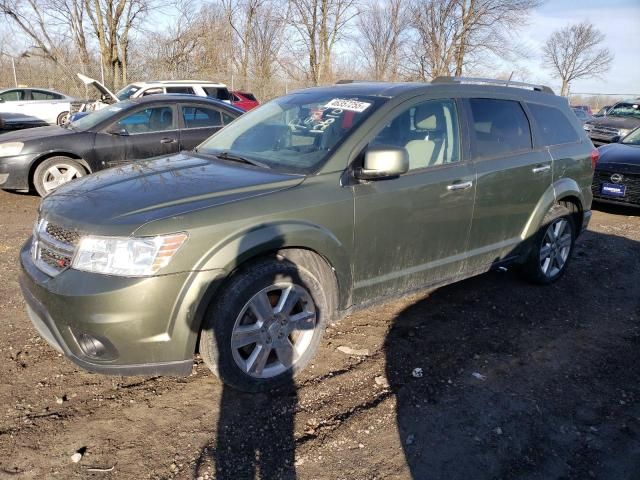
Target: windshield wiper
[237, 158]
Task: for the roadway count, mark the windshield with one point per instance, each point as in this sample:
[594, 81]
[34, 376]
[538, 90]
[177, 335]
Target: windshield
[633, 138]
[88, 122]
[295, 133]
[625, 110]
[581, 114]
[127, 91]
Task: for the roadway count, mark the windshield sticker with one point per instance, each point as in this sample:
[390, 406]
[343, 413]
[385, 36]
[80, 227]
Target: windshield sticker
[349, 105]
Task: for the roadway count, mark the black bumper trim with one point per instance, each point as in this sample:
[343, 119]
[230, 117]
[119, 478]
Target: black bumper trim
[44, 324]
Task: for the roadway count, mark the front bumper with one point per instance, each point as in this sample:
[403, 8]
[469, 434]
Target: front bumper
[14, 171]
[148, 326]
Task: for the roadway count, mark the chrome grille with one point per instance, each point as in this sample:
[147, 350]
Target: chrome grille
[630, 180]
[53, 247]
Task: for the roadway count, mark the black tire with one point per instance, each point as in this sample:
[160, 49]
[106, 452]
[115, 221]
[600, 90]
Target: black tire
[62, 118]
[42, 175]
[226, 309]
[533, 268]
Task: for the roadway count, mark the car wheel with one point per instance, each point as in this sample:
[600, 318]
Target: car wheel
[552, 247]
[62, 118]
[265, 326]
[56, 171]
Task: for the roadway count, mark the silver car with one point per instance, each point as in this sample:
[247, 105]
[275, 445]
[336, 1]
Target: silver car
[47, 105]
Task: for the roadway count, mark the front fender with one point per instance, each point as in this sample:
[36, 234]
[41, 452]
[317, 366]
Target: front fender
[561, 188]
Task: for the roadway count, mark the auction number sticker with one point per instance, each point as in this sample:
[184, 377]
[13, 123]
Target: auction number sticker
[349, 105]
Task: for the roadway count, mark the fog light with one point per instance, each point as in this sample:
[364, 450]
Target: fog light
[91, 346]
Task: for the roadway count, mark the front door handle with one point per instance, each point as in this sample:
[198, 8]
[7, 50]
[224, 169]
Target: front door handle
[459, 186]
[541, 168]
[168, 140]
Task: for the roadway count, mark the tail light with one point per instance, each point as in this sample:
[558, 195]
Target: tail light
[595, 156]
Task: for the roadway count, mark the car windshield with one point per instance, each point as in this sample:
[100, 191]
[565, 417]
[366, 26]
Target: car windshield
[633, 138]
[295, 133]
[88, 122]
[625, 110]
[127, 91]
[581, 114]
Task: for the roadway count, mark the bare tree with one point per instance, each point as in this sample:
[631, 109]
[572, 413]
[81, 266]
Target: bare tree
[576, 51]
[454, 33]
[320, 24]
[381, 27]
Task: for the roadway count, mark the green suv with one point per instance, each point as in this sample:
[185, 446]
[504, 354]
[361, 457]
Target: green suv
[319, 201]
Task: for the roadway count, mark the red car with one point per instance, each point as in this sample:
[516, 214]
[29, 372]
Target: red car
[244, 100]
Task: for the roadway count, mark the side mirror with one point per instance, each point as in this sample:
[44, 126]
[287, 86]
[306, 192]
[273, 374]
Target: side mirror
[115, 130]
[382, 162]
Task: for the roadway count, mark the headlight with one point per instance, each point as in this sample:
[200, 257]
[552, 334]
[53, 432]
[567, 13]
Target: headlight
[126, 256]
[10, 148]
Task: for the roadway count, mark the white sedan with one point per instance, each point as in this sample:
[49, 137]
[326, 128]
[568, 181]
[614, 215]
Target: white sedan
[47, 105]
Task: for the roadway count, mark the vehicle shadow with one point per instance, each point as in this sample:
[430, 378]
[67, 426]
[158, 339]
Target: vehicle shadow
[255, 431]
[521, 381]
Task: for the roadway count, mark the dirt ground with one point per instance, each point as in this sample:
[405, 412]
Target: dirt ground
[518, 381]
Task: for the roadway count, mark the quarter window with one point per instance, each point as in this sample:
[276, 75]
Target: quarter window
[499, 127]
[199, 117]
[154, 119]
[428, 131]
[553, 125]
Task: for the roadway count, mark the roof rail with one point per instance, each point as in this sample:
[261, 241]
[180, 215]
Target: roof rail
[345, 81]
[493, 81]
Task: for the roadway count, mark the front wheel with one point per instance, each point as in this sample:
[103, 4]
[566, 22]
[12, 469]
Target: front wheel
[553, 246]
[265, 326]
[54, 172]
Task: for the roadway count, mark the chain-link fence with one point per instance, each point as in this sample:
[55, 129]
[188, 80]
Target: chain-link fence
[36, 72]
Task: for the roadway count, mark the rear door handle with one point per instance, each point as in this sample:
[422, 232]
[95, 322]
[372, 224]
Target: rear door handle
[168, 140]
[541, 169]
[459, 186]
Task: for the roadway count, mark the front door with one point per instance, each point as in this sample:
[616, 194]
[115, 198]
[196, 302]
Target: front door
[412, 231]
[149, 132]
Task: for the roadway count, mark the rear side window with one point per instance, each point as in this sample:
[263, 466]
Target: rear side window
[186, 90]
[499, 127]
[553, 125]
[199, 117]
[40, 95]
[216, 92]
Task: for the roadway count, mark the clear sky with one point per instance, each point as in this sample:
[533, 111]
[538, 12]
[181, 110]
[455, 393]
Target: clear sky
[619, 20]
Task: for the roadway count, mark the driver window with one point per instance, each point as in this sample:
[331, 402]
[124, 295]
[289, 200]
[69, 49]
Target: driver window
[154, 119]
[428, 131]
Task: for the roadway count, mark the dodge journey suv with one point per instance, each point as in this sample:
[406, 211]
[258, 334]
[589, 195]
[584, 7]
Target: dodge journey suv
[302, 209]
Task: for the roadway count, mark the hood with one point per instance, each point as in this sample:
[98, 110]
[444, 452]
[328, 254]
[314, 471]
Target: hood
[119, 200]
[619, 153]
[615, 122]
[34, 134]
[98, 86]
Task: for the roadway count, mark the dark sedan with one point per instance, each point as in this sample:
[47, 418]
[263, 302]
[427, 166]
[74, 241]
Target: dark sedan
[617, 175]
[47, 157]
[18, 121]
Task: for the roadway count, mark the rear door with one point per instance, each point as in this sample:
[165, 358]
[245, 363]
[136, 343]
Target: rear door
[198, 122]
[149, 131]
[512, 178]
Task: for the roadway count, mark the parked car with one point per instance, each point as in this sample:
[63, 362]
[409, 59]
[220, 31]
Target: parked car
[617, 175]
[244, 100]
[201, 88]
[619, 121]
[582, 115]
[47, 157]
[47, 105]
[603, 111]
[585, 108]
[299, 211]
[18, 121]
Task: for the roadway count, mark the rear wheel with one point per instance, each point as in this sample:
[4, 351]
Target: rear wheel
[265, 326]
[552, 247]
[56, 171]
[62, 118]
